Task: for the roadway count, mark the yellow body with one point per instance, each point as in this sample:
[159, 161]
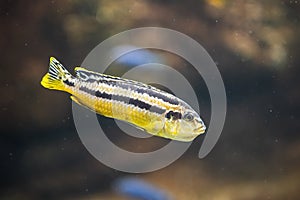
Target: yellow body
[153, 110]
[151, 122]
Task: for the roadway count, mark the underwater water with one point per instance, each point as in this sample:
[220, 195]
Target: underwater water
[255, 46]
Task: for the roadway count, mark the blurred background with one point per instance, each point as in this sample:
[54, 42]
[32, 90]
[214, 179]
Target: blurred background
[255, 45]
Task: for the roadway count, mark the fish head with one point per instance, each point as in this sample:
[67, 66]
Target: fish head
[185, 125]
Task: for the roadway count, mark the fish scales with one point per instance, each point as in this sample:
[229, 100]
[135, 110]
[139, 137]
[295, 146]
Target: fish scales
[115, 102]
[156, 111]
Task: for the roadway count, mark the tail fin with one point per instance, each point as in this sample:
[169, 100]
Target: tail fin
[55, 76]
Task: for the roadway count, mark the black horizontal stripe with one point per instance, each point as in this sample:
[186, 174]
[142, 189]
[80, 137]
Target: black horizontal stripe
[147, 89]
[139, 104]
[69, 83]
[103, 95]
[173, 115]
[132, 85]
[135, 102]
[158, 95]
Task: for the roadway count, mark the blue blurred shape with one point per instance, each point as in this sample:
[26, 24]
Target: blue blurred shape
[135, 57]
[139, 189]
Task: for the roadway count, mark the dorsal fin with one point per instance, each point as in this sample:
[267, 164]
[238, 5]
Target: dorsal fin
[85, 74]
[81, 73]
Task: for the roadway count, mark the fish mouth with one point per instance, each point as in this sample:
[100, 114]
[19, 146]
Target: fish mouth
[200, 129]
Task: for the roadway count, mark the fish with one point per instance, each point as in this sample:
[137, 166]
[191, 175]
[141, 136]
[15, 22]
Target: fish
[144, 106]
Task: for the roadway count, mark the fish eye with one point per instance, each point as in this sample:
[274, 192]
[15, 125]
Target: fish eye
[188, 117]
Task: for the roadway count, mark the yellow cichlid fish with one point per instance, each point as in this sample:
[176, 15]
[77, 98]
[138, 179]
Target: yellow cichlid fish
[155, 111]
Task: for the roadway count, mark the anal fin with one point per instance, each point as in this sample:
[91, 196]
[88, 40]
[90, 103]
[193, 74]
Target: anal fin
[76, 100]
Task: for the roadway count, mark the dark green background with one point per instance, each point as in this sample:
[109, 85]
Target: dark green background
[256, 47]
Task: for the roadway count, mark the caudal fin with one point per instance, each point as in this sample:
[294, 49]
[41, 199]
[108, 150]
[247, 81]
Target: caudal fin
[55, 76]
